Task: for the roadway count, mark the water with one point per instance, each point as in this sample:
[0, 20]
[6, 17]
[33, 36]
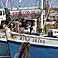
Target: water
[4, 50]
[35, 51]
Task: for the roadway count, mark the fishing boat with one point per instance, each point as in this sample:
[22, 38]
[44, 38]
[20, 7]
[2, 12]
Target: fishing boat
[40, 45]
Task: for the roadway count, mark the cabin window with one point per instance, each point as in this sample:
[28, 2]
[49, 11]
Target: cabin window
[0, 12]
[3, 37]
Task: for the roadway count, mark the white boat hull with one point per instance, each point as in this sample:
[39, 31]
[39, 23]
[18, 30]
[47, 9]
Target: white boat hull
[36, 40]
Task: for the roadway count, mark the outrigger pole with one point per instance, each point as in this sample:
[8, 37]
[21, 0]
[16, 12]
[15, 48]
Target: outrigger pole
[42, 19]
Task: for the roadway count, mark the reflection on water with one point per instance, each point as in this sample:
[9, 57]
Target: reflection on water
[35, 51]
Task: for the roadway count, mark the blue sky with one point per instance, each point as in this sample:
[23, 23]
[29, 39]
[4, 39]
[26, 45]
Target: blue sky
[25, 3]
[30, 3]
[16, 3]
[54, 3]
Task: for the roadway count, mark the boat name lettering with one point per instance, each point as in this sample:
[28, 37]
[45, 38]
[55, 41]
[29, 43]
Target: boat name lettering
[37, 40]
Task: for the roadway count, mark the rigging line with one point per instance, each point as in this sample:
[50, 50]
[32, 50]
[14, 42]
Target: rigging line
[11, 21]
[14, 4]
[12, 18]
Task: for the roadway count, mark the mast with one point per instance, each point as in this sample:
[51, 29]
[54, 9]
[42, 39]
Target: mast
[42, 15]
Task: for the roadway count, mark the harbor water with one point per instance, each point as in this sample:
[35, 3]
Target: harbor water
[4, 50]
[35, 51]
